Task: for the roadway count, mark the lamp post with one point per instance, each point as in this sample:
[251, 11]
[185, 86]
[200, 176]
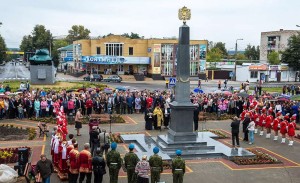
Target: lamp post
[235, 56]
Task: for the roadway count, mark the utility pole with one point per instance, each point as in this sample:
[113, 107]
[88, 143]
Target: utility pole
[236, 57]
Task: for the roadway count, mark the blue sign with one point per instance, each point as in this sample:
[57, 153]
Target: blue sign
[231, 74]
[104, 59]
[172, 81]
[68, 59]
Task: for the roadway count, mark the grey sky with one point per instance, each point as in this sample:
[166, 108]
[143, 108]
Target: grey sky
[214, 20]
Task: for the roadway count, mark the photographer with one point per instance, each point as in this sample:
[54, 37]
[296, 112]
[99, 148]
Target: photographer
[104, 141]
[94, 140]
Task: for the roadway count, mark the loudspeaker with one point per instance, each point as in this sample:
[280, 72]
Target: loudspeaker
[23, 155]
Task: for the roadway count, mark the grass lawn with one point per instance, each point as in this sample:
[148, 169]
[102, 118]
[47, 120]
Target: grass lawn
[15, 85]
[270, 89]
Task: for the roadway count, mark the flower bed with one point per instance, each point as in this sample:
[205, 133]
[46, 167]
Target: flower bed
[11, 132]
[213, 116]
[220, 134]
[260, 158]
[10, 155]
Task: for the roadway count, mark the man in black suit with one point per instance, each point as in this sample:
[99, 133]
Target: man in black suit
[196, 119]
[245, 126]
[235, 129]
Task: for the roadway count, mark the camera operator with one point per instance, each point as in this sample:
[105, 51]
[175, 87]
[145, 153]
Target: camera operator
[94, 138]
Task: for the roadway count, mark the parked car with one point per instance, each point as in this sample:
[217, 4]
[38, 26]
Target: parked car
[96, 77]
[113, 78]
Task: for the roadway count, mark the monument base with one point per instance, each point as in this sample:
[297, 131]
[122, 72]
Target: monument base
[181, 125]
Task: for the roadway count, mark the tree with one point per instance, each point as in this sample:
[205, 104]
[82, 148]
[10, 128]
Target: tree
[41, 38]
[252, 53]
[78, 32]
[291, 55]
[214, 55]
[132, 35]
[273, 58]
[240, 56]
[26, 44]
[2, 49]
[221, 47]
[55, 53]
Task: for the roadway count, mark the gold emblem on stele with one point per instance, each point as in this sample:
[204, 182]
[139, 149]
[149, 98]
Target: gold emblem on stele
[184, 14]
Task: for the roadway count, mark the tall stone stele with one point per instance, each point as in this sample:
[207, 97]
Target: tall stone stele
[42, 70]
[181, 126]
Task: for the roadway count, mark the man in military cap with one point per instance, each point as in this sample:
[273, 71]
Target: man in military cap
[178, 168]
[130, 161]
[114, 162]
[156, 165]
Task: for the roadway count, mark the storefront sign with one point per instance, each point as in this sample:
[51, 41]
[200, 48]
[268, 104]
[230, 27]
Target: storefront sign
[68, 57]
[258, 67]
[156, 48]
[103, 59]
[274, 67]
[284, 68]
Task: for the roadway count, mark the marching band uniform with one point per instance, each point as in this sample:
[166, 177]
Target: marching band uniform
[85, 165]
[74, 165]
[57, 143]
[283, 128]
[262, 121]
[63, 168]
[276, 125]
[269, 120]
[244, 112]
[291, 129]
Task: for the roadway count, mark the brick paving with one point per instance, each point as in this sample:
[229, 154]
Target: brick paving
[210, 170]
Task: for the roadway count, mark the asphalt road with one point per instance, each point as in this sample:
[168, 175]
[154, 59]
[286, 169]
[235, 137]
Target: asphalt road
[12, 71]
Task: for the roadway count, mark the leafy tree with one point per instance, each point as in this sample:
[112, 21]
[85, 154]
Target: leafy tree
[78, 32]
[132, 35]
[252, 53]
[2, 49]
[273, 58]
[221, 47]
[41, 38]
[26, 43]
[214, 55]
[240, 56]
[55, 53]
[291, 55]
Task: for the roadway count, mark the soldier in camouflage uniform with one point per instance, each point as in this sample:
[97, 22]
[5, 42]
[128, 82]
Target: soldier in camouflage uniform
[178, 168]
[156, 165]
[130, 161]
[114, 163]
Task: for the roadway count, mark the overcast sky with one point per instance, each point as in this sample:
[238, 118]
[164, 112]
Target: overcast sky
[214, 20]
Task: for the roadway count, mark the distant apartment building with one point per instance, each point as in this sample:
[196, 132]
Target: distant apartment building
[274, 41]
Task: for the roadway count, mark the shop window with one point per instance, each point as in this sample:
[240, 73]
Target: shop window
[130, 50]
[167, 51]
[253, 74]
[194, 52]
[98, 51]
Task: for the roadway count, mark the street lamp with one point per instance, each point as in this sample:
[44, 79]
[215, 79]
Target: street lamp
[235, 56]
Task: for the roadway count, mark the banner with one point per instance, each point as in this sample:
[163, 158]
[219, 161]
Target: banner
[203, 49]
[104, 59]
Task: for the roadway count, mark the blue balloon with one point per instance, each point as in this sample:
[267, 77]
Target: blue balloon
[131, 146]
[155, 150]
[178, 152]
[113, 146]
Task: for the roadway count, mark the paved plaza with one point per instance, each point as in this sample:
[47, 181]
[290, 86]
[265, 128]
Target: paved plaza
[205, 170]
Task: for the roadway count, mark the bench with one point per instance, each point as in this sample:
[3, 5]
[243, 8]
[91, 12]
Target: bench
[101, 117]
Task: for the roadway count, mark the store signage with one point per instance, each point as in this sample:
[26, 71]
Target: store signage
[156, 48]
[274, 67]
[104, 59]
[258, 67]
[284, 68]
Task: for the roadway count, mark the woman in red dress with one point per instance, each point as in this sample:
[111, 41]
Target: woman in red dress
[291, 130]
[283, 128]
